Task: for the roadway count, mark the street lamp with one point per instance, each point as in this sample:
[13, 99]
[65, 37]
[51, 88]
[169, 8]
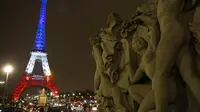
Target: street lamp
[7, 69]
[2, 82]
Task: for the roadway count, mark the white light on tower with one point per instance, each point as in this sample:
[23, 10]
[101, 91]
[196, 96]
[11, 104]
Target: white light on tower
[48, 74]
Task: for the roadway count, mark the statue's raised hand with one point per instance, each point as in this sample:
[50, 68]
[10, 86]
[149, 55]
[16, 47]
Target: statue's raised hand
[195, 30]
[145, 20]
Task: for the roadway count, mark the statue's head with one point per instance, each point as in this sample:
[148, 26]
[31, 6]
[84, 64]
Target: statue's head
[95, 39]
[107, 35]
[113, 20]
[148, 8]
[113, 25]
[139, 45]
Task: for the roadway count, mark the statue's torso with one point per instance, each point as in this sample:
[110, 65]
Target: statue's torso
[148, 63]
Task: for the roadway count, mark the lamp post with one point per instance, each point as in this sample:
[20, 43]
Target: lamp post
[7, 69]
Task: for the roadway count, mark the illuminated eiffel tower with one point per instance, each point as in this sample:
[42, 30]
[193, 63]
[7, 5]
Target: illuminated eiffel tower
[38, 55]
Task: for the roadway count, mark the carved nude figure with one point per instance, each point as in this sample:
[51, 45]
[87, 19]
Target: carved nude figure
[102, 84]
[96, 52]
[195, 31]
[146, 47]
[108, 57]
[173, 48]
[194, 27]
[113, 63]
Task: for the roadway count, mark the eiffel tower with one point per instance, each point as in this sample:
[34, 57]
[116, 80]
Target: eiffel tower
[37, 72]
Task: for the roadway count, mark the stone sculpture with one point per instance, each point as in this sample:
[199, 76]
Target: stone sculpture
[106, 53]
[167, 42]
[146, 45]
[178, 49]
[101, 80]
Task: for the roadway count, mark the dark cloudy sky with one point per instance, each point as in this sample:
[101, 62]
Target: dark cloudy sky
[69, 24]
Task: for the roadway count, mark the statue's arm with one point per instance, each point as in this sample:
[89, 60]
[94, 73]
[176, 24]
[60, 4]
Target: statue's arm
[96, 49]
[131, 72]
[138, 76]
[127, 61]
[97, 53]
[146, 20]
[97, 80]
[126, 50]
[195, 30]
[154, 33]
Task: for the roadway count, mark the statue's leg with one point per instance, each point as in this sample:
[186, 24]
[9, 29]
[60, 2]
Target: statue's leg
[107, 104]
[172, 39]
[193, 105]
[107, 109]
[139, 91]
[119, 100]
[188, 70]
[97, 80]
[148, 103]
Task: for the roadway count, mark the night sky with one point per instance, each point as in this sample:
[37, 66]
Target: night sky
[69, 25]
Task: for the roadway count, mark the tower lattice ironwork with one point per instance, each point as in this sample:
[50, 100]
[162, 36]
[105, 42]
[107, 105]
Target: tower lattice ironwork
[38, 55]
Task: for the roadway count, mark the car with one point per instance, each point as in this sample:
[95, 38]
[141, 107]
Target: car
[77, 107]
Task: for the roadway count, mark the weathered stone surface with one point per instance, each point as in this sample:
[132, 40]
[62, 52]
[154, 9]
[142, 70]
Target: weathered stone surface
[150, 62]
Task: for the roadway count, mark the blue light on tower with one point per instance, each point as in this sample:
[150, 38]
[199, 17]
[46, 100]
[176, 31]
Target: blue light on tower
[40, 42]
